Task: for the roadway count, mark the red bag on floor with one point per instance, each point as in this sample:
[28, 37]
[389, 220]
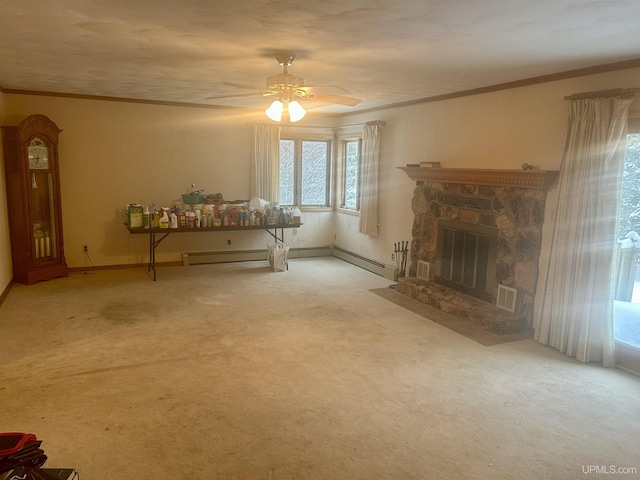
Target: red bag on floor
[20, 450]
[12, 442]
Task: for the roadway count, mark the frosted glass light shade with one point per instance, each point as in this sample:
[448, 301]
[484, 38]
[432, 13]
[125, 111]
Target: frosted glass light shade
[296, 112]
[274, 112]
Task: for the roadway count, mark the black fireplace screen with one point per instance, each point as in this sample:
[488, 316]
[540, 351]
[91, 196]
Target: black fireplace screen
[466, 258]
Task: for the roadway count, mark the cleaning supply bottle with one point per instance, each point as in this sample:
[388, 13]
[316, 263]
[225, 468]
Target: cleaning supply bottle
[164, 219]
[146, 218]
[297, 215]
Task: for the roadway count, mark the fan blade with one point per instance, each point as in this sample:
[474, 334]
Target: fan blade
[234, 96]
[266, 93]
[317, 88]
[246, 87]
[338, 99]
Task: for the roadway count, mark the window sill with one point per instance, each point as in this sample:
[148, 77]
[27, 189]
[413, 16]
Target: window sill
[355, 213]
[316, 209]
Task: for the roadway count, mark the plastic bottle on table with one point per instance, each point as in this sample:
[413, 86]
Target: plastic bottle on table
[297, 215]
[164, 220]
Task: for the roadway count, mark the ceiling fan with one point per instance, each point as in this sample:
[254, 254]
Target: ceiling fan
[288, 88]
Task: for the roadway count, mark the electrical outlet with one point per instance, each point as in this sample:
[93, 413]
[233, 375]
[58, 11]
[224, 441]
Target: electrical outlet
[85, 249]
[393, 256]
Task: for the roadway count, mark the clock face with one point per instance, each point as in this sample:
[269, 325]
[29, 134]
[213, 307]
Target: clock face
[38, 157]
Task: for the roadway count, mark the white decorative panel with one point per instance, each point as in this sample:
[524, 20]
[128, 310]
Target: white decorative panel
[507, 297]
[423, 270]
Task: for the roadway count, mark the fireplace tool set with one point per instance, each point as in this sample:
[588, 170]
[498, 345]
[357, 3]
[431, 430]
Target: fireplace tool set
[400, 251]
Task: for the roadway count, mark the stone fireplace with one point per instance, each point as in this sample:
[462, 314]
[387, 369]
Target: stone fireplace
[478, 230]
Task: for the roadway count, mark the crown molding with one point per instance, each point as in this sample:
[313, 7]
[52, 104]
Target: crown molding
[579, 72]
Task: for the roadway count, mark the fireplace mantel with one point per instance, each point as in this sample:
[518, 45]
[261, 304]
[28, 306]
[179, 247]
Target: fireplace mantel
[498, 178]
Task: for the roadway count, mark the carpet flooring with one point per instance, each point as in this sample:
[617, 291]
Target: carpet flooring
[233, 371]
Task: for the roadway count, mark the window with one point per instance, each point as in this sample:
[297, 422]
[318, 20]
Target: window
[350, 175]
[305, 172]
[629, 219]
[626, 320]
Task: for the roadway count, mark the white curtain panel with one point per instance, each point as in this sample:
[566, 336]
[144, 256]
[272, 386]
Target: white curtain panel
[576, 301]
[369, 179]
[265, 169]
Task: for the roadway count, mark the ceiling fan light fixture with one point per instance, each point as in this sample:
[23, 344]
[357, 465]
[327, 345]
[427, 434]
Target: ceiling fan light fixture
[274, 112]
[285, 88]
[296, 112]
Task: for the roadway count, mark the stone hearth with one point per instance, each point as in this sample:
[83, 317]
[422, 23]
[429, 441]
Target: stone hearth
[478, 312]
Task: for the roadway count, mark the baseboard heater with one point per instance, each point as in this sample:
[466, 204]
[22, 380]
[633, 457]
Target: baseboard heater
[378, 268]
[200, 258]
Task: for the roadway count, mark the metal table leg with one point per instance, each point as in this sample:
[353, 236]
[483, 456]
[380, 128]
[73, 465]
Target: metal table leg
[153, 243]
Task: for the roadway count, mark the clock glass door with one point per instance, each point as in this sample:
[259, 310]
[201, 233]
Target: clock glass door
[42, 203]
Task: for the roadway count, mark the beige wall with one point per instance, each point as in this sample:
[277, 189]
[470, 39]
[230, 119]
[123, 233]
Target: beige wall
[114, 153]
[499, 130]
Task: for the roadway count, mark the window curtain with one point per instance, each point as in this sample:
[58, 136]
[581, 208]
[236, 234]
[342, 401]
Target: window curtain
[576, 298]
[265, 169]
[369, 179]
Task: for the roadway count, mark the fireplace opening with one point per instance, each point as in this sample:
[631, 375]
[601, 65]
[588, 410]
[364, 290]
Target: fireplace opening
[466, 258]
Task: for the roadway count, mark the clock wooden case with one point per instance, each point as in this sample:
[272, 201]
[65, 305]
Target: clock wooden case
[33, 200]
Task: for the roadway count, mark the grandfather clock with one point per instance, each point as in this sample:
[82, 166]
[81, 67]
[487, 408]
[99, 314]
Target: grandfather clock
[33, 200]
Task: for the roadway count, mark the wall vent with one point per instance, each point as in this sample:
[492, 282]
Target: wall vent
[423, 270]
[507, 298]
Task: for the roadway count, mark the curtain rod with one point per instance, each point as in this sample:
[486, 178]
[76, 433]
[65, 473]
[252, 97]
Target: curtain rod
[374, 122]
[603, 93]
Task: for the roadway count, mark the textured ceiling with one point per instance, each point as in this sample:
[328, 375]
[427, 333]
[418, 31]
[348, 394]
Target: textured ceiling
[380, 51]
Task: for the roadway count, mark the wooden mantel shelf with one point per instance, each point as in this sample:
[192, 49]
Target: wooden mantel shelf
[498, 178]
